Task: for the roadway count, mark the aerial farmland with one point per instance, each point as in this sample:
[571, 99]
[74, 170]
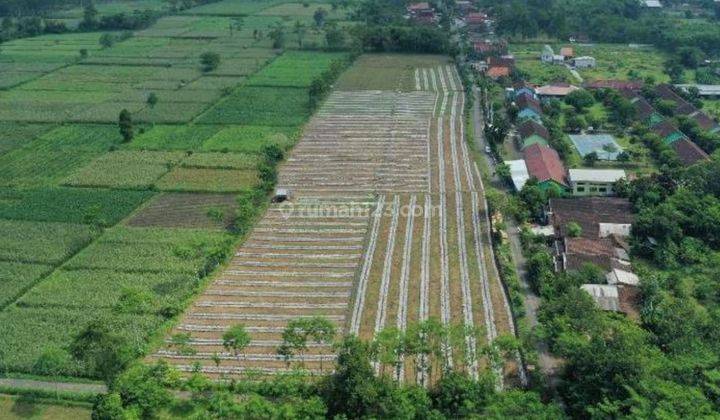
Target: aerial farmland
[139, 176]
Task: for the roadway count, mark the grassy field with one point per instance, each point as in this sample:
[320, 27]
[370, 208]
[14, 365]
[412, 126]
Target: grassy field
[614, 61]
[19, 408]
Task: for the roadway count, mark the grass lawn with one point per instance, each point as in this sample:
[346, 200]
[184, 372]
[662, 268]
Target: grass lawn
[17, 408]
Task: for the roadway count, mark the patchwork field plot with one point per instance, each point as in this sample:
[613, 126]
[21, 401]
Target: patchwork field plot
[250, 139]
[86, 236]
[252, 105]
[17, 277]
[52, 156]
[187, 211]
[71, 205]
[208, 180]
[125, 169]
[387, 227]
[128, 278]
[41, 243]
[13, 136]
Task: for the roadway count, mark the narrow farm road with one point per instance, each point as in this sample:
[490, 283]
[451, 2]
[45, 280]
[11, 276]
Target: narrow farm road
[548, 364]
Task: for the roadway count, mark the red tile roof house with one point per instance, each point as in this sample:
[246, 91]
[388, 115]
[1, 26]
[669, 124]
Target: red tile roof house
[567, 52]
[682, 107]
[705, 122]
[497, 72]
[544, 164]
[416, 7]
[475, 19]
[689, 152]
[530, 132]
[668, 132]
[503, 60]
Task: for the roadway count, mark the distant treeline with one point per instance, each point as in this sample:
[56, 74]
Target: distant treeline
[385, 28]
[23, 18]
[621, 21]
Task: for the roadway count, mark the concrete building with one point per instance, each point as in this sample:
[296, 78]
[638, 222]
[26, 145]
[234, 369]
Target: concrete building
[589, 182]
[584, 62]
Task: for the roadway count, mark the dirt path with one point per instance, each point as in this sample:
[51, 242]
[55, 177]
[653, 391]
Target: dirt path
[547, 363]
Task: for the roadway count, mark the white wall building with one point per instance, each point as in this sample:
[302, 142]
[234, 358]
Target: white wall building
[587, 182]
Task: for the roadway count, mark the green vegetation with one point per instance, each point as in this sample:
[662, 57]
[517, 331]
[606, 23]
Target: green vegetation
[172, 137]
[49, 158]
[250, 139]
[125, 169]
[16, 408]
[208, 180]
[41, 242]
[71, 205]
[252, 105]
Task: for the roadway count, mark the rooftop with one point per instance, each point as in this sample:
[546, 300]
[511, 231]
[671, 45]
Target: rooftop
[689, 152]
[530, 127]
[596, 175]
[615, 84]
[498, 71]
[606, 296]
[556, 90]
[589, 213]
[518, 173]
[704, 90]
[544, 164]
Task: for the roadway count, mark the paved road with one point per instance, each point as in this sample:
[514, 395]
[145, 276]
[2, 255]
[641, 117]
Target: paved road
[548, 364]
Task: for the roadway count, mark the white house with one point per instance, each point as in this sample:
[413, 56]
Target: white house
[584, 62]
[548, 55]
[586, 182]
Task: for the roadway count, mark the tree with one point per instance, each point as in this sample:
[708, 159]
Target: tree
[108, 407]
[107, 40]
[90, 17]
[691, 57]
[125, 124]
[580, 99]
[152, 99]
[52, 362]
[514, 404]
[101, 347]
[674, 70]
[334, 38]
[83, 53]
[209, 61]
[386, 347]
[319, 17]
[351, 388]
[576, 123]
[236, 339]
[295, 338]
[591, 159]
[143, 388]
[322, 332]
[299, 30]
[574, 230]
[277, 34]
